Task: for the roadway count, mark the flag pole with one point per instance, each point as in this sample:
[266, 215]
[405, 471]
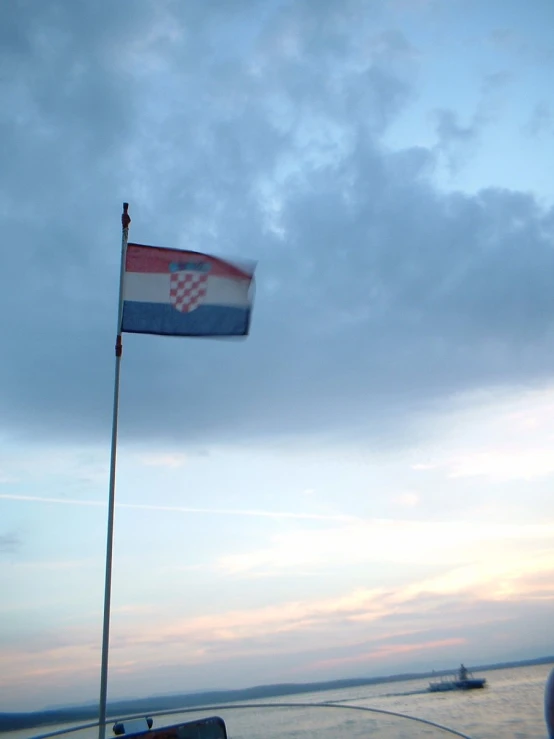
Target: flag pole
[125, 221]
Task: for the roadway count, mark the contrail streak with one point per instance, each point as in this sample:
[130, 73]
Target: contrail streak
[183, 509]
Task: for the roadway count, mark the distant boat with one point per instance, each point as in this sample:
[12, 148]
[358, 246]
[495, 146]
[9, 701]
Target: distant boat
[461, 680]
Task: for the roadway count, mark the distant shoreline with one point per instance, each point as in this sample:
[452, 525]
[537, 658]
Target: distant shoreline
[47, 717]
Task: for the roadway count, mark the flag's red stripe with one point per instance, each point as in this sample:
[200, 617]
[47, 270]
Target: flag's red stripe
[156, 260]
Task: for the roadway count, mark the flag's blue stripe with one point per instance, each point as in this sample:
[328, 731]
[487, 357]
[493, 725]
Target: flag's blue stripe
[163, 318]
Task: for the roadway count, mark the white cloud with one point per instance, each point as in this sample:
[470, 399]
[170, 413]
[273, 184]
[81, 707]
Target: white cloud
[408, 499]
[503, 464]
[161, 459]
[497, 436]
[384, 541]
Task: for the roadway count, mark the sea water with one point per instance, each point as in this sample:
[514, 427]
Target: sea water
[510, 707]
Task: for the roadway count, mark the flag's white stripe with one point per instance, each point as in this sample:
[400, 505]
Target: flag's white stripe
[154, 288]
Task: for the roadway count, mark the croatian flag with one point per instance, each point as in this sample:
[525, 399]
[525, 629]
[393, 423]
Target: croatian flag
[184, 293]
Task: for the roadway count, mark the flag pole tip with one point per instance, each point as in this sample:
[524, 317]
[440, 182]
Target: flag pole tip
[125, 217]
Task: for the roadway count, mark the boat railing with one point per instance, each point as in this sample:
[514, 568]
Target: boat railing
[255, 706]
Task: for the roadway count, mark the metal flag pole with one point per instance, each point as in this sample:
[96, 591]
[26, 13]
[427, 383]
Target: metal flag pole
[125, 221]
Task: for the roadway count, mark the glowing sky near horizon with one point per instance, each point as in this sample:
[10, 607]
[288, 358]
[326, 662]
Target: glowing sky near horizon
[362, 487]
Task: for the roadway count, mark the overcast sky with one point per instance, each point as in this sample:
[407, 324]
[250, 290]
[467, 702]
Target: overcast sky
[364, 485]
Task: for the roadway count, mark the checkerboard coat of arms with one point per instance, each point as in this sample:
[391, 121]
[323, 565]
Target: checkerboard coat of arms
[188, 285]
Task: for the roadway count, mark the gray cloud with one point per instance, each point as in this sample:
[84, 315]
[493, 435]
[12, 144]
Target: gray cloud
[256, 135]
[458, 142]
[519, 43]
[10, 542]
[541, 121]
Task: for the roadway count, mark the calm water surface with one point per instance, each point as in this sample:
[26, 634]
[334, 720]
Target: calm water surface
[511, 707]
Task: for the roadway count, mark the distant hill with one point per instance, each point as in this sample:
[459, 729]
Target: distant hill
[117, 709]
